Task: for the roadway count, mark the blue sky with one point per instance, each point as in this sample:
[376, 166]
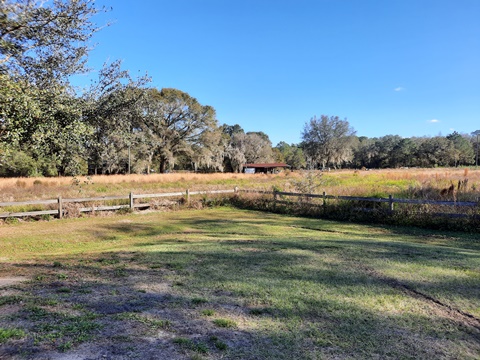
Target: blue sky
[404, 67]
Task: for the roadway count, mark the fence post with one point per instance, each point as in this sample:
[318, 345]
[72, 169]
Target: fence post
[60, 207]
[131, 200]
[275, 196]
[188, 197]
[235, 189]
[324, 205]
[390, 203]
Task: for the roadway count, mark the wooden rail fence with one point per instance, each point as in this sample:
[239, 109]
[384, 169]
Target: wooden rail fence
[60, 202]
[390, 201]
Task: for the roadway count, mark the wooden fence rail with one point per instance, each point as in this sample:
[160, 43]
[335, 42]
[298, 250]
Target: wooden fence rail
[390, 200]
[60, 211]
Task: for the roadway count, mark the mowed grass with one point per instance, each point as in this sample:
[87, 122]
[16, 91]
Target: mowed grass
[227, 283]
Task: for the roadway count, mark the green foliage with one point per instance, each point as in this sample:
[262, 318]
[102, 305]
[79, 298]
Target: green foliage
[7, 334]
[46, 217]
[463, 150]
[17, 164]
[11, 220]
[392, 151]
[292, 154]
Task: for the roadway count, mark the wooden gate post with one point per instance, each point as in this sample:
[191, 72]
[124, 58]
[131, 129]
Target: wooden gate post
[188, 197]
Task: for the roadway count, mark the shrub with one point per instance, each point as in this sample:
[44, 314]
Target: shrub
[124, 210]
[425, 216]
[11, 220]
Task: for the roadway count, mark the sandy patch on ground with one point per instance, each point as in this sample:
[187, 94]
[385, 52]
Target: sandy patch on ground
[11, 280]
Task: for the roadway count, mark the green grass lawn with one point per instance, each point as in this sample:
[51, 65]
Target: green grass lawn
[232, 284]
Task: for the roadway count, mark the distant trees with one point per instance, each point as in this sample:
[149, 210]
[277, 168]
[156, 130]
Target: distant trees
[463, 152]
[292, 155]
[392, 151]
[174, 123]
[327, 141]
[242, 148]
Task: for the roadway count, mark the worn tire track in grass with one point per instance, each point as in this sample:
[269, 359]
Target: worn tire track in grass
[439, 307]
[457, 315]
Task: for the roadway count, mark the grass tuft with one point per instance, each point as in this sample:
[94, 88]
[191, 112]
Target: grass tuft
[189, 344]
[225, 323]
[199, 301]
[7, 334]
[208, 312]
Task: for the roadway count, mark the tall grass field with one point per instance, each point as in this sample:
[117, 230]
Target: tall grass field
[402, 183]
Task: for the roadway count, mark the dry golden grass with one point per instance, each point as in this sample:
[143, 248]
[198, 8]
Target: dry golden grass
[406, 183]
[6, 183]
[18, 189]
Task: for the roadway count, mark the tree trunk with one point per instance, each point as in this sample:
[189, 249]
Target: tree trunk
[163, 165]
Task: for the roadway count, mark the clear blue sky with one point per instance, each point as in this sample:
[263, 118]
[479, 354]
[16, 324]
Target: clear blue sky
[405, 67]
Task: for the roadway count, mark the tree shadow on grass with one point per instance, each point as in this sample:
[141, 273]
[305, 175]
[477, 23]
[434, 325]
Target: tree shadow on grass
[299, 313]
[303, 294]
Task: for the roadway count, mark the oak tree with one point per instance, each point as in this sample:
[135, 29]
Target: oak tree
[326, 140]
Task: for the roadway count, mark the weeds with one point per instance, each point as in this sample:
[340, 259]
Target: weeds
[7, 334]
[308, 183]
[124, 210]
[46, 217]
[151, 323]
[225, 323]
[426, 216]
[220, 345]
[199, 301]
[208, 312]
[61, 329]
[10, 300]
[11, 220]
[259, 311]
[189, 344]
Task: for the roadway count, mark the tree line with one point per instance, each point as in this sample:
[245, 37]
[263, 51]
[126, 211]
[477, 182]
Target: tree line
[122, 125]
[331, 142]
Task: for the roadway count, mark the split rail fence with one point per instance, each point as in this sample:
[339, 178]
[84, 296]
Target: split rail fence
[277, 195]
[391, 201]
[60, 202]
